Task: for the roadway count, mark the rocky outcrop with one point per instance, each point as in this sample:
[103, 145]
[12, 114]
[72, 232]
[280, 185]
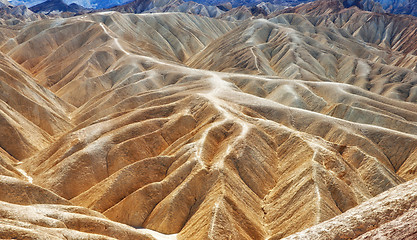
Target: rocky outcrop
[50, 221]
[390, 215]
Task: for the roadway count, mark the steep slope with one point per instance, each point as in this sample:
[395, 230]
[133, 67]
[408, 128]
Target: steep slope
[56, 5]
[28, 3]
[168, 36]
[61, 222]
[323, 47]
[383, 217]
[12, 16]
[30, 114]
[31, 212]
[205, 128]
[399, 6]
[218, 162]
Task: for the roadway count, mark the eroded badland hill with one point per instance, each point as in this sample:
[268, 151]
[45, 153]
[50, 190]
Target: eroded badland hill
[300, 125]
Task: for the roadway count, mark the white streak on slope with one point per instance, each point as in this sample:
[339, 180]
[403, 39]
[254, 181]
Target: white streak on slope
[24, 173]
[116, 40]
[219, 86]
[213, 220]
[256, 59]
[158, 235]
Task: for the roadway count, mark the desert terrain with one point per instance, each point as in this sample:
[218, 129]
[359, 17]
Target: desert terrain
[298, 125]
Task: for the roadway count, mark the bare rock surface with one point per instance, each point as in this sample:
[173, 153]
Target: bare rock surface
[49, 221]
[389, 215]
[181, 126]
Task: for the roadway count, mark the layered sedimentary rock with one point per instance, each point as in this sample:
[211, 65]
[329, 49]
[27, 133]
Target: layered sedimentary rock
[389, 216]
[15, 15]
[52, 221]
[205, 128]
[323, 48]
